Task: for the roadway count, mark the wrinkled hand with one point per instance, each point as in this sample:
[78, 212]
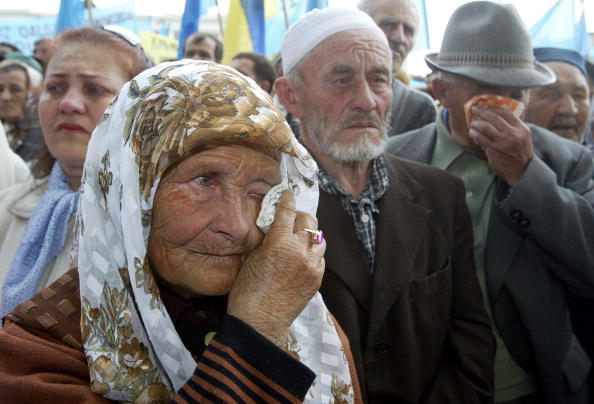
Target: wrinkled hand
[280, 277]
[505, 140]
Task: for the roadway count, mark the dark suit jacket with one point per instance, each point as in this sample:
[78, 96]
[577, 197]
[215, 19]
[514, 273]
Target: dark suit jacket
[540, 247]
[417, 327]
[411, 109]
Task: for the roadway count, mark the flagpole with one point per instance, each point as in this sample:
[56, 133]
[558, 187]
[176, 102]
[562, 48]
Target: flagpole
[286, 13]
[89, 5]
[220, 19]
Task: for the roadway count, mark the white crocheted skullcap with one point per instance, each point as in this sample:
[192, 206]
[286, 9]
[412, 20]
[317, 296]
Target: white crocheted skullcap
[315, 26]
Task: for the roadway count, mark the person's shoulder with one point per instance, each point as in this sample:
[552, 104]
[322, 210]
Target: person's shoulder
[418, 96]
[21, 199]
[53, 311]
[421, 172]
[551, 146]
[29, 185]
[425, 130]
[420, 136]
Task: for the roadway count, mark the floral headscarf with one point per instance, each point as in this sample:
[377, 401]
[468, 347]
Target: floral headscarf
[132, 347]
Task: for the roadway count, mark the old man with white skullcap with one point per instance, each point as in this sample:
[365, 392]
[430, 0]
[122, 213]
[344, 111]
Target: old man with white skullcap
[400, 274]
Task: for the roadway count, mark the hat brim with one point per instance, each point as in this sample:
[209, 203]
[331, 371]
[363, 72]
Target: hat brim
[513, 77]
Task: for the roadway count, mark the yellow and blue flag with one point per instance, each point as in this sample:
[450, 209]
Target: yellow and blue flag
[260, 25]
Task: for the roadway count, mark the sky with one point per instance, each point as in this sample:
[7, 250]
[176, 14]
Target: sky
[530, 10]
[438, 11]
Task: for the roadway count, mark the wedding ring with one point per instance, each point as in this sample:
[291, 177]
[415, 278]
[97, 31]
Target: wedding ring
[317, 236]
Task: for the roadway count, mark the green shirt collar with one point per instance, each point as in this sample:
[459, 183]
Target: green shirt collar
[446, 148]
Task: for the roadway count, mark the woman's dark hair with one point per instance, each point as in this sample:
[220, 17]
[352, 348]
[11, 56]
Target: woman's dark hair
[130, 57]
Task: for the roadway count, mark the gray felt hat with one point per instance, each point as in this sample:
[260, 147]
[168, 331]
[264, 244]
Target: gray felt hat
[488, 42]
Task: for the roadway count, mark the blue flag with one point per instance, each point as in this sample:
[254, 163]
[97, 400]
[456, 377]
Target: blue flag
[423, 31]
[189, 23]
[254, 14]
[71, 15]
[275, 20]
[559, 28]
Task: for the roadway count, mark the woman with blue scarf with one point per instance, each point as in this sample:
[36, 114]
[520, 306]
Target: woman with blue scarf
[88, 67]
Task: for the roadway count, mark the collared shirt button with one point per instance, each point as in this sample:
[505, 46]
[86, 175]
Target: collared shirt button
[365, 218]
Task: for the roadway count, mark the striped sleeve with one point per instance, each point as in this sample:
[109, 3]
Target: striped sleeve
[242, 366]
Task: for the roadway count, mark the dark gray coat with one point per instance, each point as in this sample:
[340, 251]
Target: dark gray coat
[540, 247]
[411, 109]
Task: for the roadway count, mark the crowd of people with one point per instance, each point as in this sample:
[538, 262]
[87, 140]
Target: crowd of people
[307, 229]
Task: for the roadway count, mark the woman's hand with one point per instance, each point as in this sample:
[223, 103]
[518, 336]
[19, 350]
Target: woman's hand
[279, 278]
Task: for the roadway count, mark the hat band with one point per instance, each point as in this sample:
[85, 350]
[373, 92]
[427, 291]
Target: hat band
[487, 59]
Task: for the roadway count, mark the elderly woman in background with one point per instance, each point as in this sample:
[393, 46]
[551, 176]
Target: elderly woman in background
[12, 168]
[182, 295]
[88, 67]
[19, 91]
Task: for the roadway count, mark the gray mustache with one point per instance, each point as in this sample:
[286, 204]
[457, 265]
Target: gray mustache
[372, 117]
[565, 121]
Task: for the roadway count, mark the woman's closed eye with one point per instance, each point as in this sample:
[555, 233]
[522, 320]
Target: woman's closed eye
[259, 189]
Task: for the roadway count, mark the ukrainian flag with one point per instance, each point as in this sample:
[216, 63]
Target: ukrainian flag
[259, 25]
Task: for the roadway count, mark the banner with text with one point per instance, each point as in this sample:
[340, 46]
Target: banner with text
[24, 32]
[158, 47]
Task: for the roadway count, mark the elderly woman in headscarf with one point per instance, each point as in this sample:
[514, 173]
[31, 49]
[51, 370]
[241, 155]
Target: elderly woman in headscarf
[189, 290]
[19, 94]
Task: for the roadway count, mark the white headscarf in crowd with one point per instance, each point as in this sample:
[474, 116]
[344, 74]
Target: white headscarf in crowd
[132, 347]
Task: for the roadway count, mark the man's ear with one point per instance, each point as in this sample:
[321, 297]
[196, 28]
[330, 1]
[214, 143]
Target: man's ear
[439, 87]
[287, 94]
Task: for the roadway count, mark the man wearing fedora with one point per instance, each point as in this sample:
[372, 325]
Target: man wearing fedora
[530, 194]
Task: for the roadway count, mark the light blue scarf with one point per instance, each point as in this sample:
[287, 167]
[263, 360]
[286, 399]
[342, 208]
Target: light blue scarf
[43, 241]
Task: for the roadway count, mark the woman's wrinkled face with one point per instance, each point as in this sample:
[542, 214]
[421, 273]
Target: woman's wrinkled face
[80, 82]
[13, 94]
[204, 218]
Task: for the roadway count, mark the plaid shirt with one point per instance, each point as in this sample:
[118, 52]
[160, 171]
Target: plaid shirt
[364, 211]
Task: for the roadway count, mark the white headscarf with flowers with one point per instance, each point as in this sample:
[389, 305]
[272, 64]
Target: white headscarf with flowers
[132, 347]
